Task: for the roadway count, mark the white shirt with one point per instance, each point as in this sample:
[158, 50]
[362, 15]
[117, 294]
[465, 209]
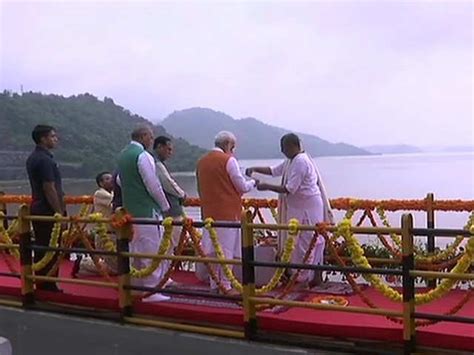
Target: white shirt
[238, 180]
[147, 171]
[299, 176]
[167, 182]
[103, 201]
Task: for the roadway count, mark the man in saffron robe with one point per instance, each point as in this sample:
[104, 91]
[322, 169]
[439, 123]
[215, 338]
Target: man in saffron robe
[220, 187]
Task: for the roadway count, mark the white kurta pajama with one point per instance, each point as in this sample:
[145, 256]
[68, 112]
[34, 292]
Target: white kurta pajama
[229, 239]
[305, 203]
[147, 238]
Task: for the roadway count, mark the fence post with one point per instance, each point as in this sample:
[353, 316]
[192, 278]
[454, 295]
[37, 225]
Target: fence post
[3, 208]
[408, 263]
[26, 258]
[124, 235]
[430, 223]
[248, 277]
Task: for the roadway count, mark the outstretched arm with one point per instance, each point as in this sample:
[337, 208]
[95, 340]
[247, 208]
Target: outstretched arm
[265, 170]
[270, 187]
[239, 182]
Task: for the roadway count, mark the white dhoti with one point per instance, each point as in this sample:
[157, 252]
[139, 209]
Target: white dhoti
[306, 201]
[307, 211]
[229, 239]
[147, 239]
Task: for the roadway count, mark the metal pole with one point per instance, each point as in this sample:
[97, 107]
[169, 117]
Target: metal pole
[408, 263]
[124, 235]
[248, 277]
[3, 208]
[430, 223]
[26, 258]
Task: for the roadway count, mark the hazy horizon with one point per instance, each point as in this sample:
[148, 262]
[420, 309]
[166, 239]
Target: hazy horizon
[359, 72]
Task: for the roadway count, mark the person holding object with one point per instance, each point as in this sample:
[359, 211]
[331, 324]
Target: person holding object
[220, 187]
[302, 195]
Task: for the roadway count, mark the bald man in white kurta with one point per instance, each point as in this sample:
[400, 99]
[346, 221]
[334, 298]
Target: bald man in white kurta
[303, 202]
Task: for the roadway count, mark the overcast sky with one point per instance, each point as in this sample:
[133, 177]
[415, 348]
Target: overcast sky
[363, 72]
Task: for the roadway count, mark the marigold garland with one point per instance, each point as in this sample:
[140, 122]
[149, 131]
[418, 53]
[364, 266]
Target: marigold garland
[447, 253]
[338, 203]
[5, 235]
[56, 235]
[53, 242]
[118, 222]
[450, 250]
[357, 255]
[162, 250]
[101, 230]
[368, 302]
[349, 214]
[196, 243]
[286, 256]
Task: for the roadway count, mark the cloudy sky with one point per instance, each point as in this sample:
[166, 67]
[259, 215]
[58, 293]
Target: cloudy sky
[363, 72]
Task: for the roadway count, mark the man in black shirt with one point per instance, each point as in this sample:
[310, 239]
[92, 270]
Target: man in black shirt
[47, 193]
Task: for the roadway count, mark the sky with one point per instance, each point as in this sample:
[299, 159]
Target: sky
[361, 72]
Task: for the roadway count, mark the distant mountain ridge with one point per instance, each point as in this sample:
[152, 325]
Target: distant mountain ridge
[256, 140]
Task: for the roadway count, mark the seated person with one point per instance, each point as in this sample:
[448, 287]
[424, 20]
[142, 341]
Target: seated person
[103, 197]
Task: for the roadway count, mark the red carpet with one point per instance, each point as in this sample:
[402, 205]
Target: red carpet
[322, 323]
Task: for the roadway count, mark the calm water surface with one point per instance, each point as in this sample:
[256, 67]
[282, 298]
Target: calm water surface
[408, 176]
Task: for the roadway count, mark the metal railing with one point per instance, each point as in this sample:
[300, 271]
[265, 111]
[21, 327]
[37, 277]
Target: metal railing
[249, 299]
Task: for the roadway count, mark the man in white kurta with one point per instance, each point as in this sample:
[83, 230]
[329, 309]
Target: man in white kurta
[300, 198]
[143, 197]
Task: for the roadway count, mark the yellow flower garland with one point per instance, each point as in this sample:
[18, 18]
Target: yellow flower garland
[395, 237]
[53, 242]
[5, 235]
[162, 250]
[101, 230]
[445, 254]
[357, 255]
[450, 250]
[274, 213]
[349, 214]
[285, 258]
[287, 251]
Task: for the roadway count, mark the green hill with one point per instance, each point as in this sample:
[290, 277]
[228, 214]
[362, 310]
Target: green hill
[92, 133]
[256, 140]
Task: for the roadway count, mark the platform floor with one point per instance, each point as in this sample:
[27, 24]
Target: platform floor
[339, 325]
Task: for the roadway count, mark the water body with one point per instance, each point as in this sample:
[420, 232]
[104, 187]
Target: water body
[407, 176]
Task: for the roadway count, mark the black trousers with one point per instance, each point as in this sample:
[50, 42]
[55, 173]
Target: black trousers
[42, 237]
